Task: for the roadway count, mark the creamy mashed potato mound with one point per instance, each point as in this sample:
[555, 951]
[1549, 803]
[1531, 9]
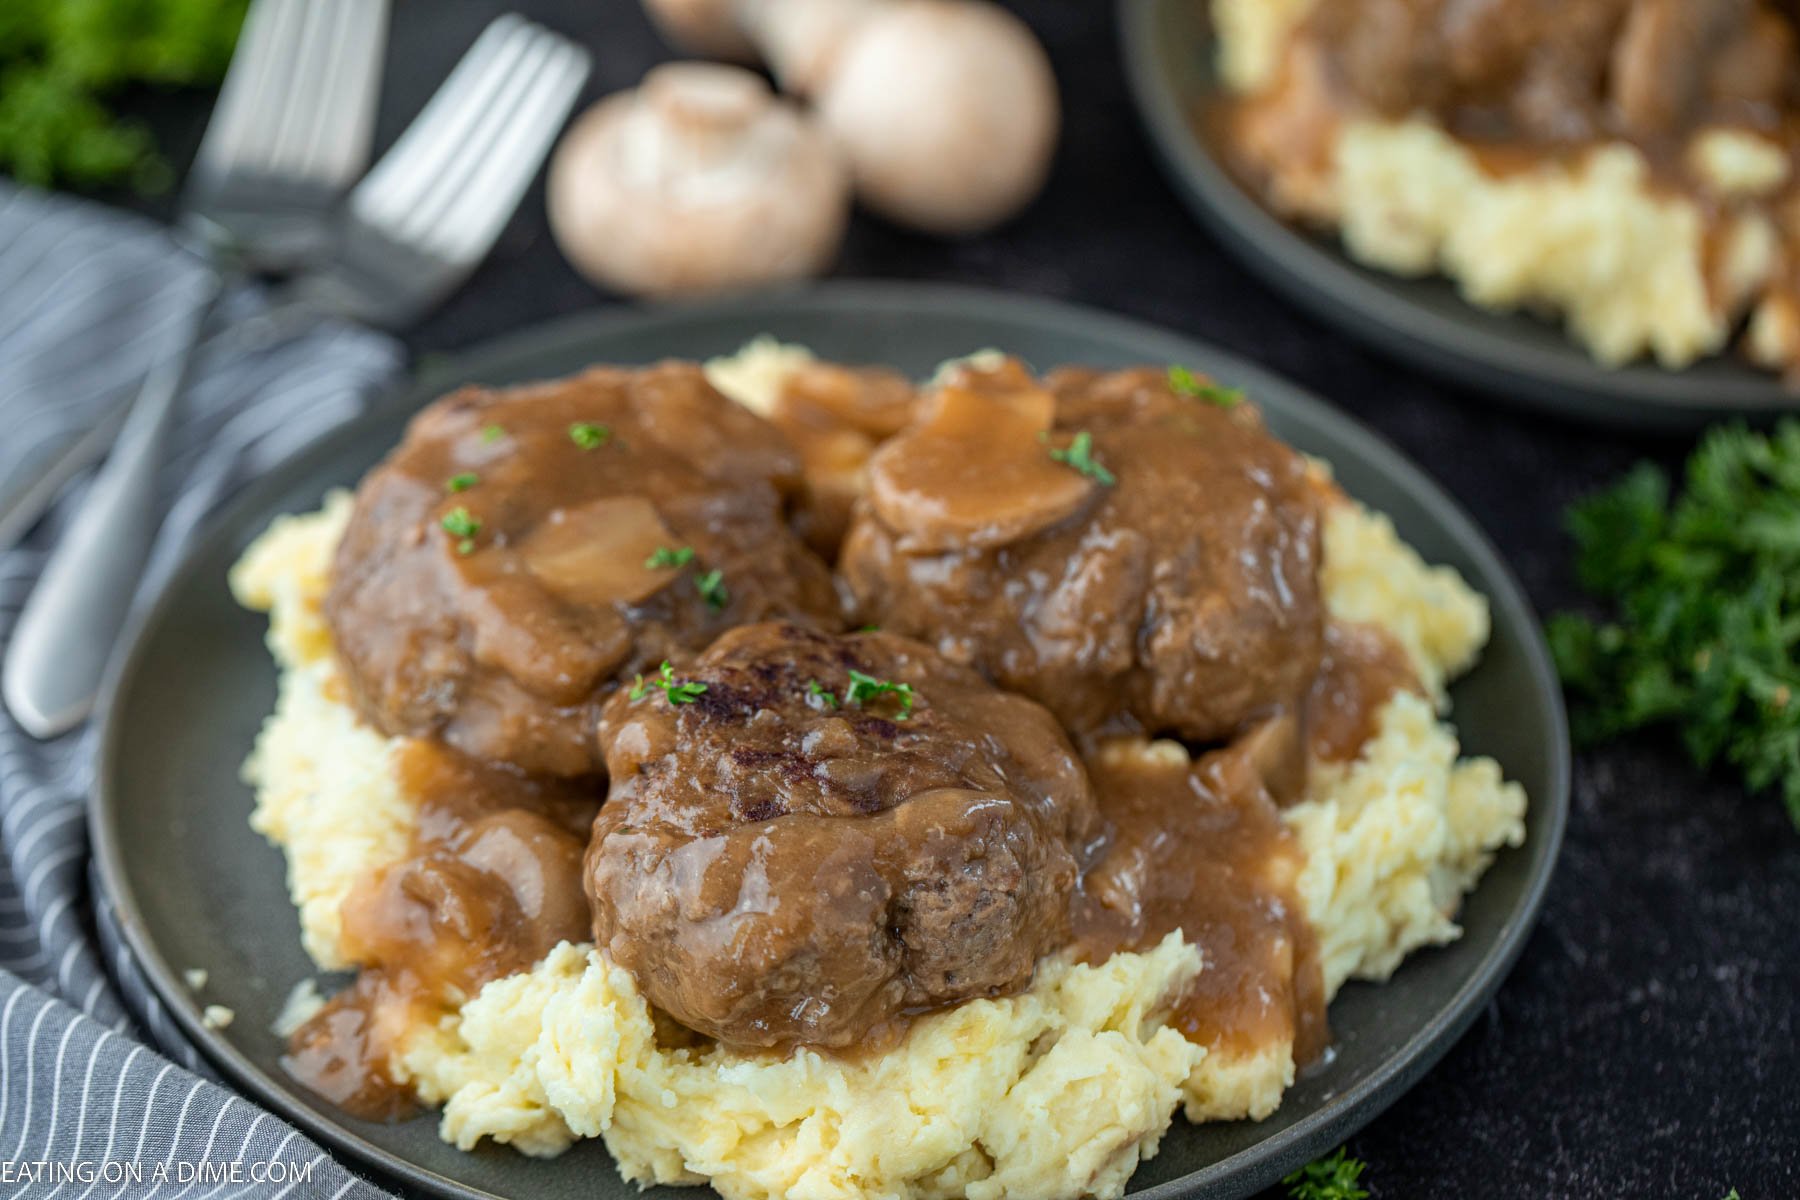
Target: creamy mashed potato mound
[1059, 1091]
[1628, 265]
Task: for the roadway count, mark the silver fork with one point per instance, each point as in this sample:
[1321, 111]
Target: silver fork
[432, 207]
[290, 131]
[414, 229]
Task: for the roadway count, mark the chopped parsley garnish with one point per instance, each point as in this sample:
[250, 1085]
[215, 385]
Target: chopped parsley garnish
[1331, 1178]
[459, 523]
[712, 589]
[462, 482]
[669, 556]
[864, 687]
[1184, 382]
[674, 690]
[588, 435]
[816, 691]
[492, 433]
[1080, 456]
[1703, 636]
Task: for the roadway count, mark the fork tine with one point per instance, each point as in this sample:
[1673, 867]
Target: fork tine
[309, 62]
[502, 176]
[403, 173]
[250, 97]
[330, 109]
[354, 91]
[513, 85]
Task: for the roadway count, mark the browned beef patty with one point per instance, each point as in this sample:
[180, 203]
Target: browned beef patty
[791, 853]
[1127, 555]
[525, 549]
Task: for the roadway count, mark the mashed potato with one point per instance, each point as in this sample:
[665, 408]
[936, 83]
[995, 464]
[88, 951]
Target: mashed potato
[326, 791]
[1057, 1092]
[1633, 268]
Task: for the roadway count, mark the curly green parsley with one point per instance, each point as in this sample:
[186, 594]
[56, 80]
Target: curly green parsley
[1184, 382]
[64, 63]
[712, 589]
[1703, 630]
[667, 557]
[1079, 455]
[1330, 1178]
[675, 691]
[865, 687]
[589, 435]
[460, 523]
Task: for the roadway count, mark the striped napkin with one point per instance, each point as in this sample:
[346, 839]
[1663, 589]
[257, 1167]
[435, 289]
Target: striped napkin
[100, 1096]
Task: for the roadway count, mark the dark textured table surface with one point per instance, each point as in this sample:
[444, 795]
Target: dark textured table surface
[1645, 1044]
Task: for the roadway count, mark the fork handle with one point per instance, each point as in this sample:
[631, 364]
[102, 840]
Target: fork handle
[65, 635]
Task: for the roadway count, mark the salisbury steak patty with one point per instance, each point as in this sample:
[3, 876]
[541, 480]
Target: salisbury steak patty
[1129, 553]
[523, 550]
[809, 836]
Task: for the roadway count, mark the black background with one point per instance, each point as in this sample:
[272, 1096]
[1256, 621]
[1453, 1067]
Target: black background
[1645, 1044]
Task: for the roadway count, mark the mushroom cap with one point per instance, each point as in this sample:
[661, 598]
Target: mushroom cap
[801, 39]
[708, 28]
[699, 180]
[947, 110]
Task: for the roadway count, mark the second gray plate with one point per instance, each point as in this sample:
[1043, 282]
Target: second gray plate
[194, 887]
[1168, 53]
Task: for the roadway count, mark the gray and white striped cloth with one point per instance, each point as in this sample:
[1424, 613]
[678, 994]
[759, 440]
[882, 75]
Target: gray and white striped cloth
[98, 1090]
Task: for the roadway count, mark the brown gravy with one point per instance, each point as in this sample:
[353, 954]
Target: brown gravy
[1199, 846]
[1129, 557]
[1524, 82]
[495, 877]
[1564, 72]
[500, 574]
[1362, 667]
[493, 883]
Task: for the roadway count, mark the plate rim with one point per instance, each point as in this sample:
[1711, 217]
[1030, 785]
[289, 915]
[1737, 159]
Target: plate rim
[1241, 1173]
[1324, 281]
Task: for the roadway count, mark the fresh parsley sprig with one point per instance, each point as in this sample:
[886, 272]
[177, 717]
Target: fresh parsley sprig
[1704, 591]
[1184, 382]
[674, 690]
[1333, 1177]
[865, 687]
[1079, 455]
[463, 525]
[666, 557]
[589, 435]
[712, 589]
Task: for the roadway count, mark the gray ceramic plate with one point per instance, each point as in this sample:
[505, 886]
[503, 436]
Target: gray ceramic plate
[194, 887]
[1167, 46]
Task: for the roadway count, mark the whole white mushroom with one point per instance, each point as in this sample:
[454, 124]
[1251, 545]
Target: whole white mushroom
[698, 180]
[946, 109]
